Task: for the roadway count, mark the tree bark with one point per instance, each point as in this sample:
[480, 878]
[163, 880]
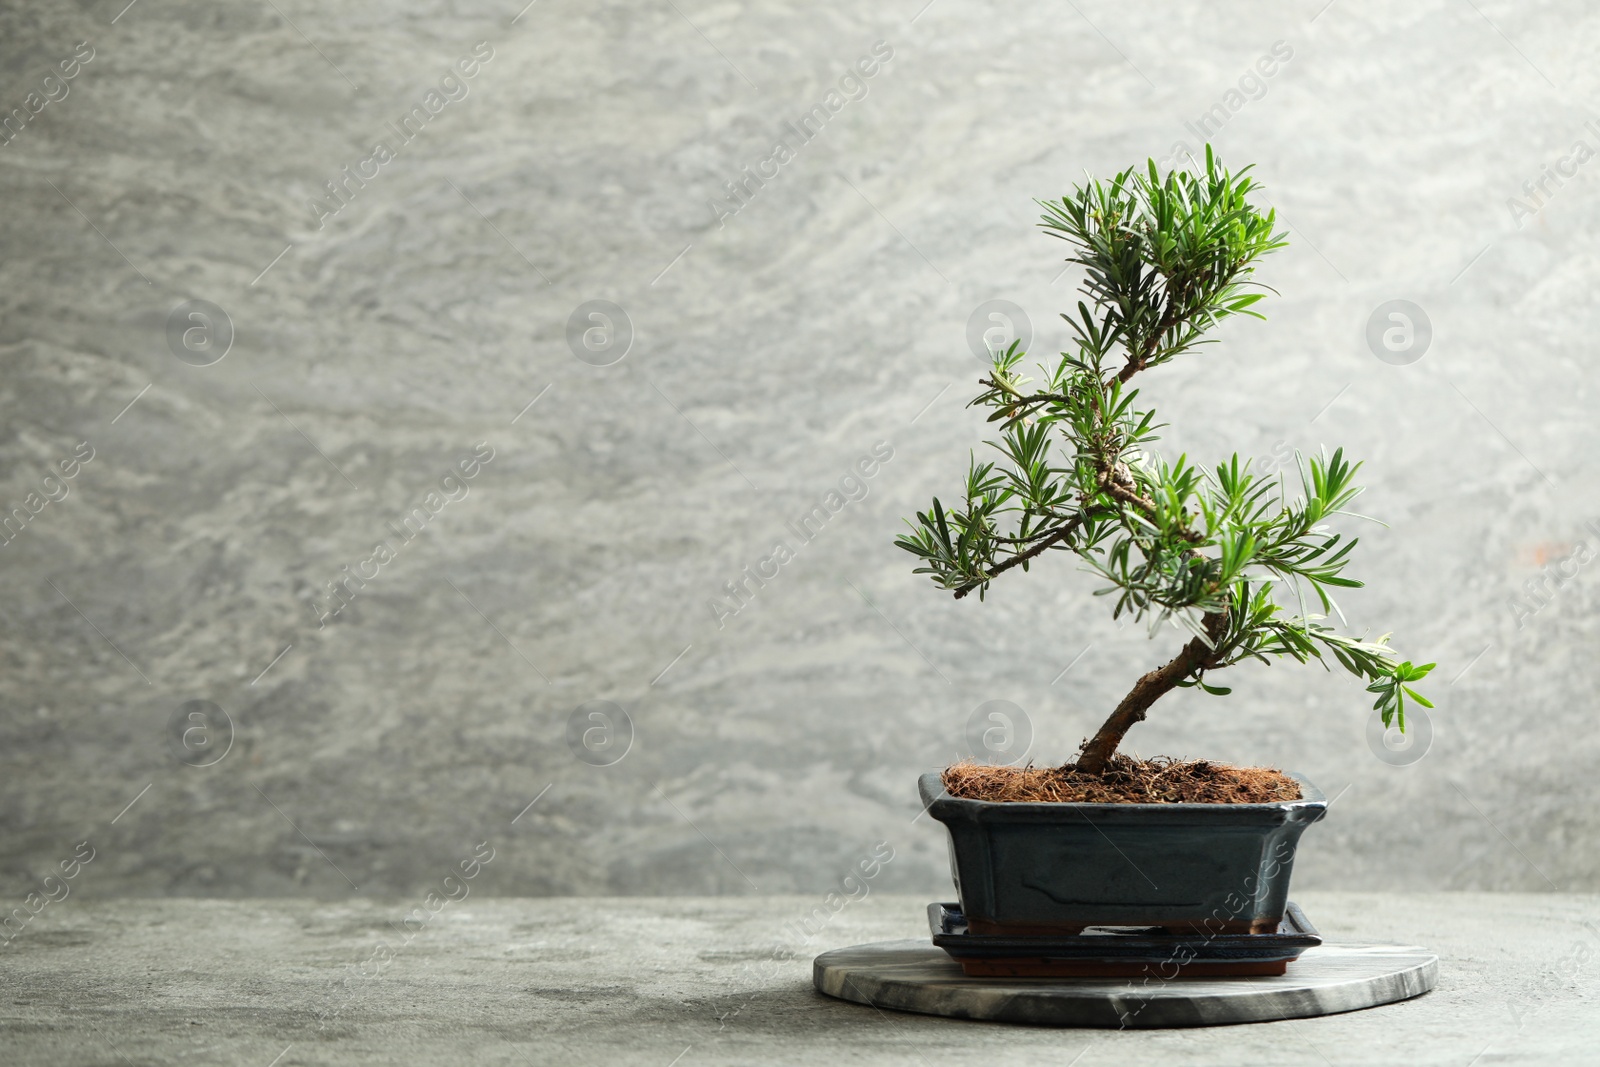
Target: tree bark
[1061, 533]
[1098, 750]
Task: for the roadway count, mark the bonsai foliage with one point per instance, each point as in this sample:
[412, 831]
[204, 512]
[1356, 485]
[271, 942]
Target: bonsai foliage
[1213, 552]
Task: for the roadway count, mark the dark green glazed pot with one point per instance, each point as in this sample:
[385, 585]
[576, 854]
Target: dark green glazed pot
[1024, 868]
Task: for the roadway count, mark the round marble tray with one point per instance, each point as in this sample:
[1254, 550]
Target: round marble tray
[915, 976]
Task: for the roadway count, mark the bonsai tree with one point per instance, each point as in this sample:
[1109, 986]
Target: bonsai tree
[1212, 552]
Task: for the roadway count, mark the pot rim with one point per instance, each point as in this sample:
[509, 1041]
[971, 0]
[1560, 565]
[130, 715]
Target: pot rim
[934, 794]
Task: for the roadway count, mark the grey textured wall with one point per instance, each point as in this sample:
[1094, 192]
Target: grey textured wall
[773, 347]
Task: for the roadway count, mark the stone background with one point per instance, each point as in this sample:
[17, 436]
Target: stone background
[771, 350]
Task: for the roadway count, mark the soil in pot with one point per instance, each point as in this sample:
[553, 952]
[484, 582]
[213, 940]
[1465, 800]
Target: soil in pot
[1161, 780]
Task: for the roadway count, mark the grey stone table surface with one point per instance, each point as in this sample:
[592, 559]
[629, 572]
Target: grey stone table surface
[688, 981]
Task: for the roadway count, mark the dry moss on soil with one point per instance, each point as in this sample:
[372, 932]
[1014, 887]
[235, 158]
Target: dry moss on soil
[1162, 780]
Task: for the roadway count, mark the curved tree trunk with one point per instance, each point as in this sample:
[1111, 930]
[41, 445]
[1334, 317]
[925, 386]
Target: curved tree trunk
[1098, 750]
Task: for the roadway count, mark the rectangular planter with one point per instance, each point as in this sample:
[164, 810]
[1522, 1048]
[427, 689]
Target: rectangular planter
[1027, 868]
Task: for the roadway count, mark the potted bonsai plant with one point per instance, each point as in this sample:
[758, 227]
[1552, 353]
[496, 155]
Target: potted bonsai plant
[1106, 839]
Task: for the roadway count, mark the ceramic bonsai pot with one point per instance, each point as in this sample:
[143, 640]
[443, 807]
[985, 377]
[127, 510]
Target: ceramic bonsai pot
[1052, 868]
